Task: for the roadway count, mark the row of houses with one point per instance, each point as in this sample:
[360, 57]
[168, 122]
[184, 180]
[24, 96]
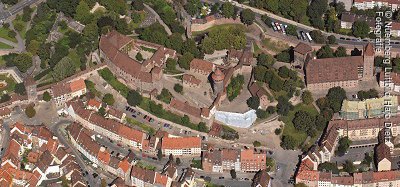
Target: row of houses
[223, 160]
[34, 155]
[119, 132]
[97, 154]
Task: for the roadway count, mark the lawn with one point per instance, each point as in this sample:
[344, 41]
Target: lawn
[75, 58]
[289, 129]
[224, 26]
[2, 62]
[91, 87]
[5, 46]
[113, 81]
[4, 34]
[274, 46]
[10, 83]
[143, 126]
[145, 166]
[196, 164]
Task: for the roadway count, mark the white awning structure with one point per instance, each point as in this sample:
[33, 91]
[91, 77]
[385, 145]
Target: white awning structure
[244, 120]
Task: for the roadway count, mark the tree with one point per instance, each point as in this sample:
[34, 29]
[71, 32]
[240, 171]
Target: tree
[233, 173]
[362, 95]
[134, 98]
[271, 109]
[202, 127]
[325, 52]
[307, 97]
[63, 69]
[344, 144]
[335, 97]
[360, 29]
[22, 61]
[303, 121]
[108, 99]
[159, 154]
[247, 16]
[9, 2]
[278, 131]
[288, 142]
[291, 30]
[253, 102]
[256, 144]
[317, 8]
[171, 64]
[20, 89]
[266, 19]
[185, 59]
[185, 119]
[46, 96]
[367, 159]
[193, 7]
[341, 52]
[102, 111]
[228, 10]
[34, 47]
[30, 111]
[165, 96]
[83, 14]
[265, 60]
[283, 106]
[139, 56]
[283, 56]
[262, 114]
[178, 88]
[317, 36]
[259, 73]
[19, 26]
[137, 5]
[328, 167]
[331, 39]
[178, 161]
[349, 167]
[284, 72]
[26, 15]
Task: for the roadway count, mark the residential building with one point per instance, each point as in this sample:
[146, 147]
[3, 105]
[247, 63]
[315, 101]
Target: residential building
[181, 146]
[261, 179]
[113, 113]
[261, 93]
[142, 178]
[63, 92]
[117, 50]
[347, 20]
[390, 81]
[244, 58]
[252, 161]
[370, 4]
[5, 112]
[93, 104]
[346, 72]
[368, 108]
[301, 54]
[383, 157]
[211, 161]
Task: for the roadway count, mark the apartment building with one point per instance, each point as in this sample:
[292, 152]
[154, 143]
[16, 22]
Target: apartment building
[370, 4]
[181, 146]
[63, 92]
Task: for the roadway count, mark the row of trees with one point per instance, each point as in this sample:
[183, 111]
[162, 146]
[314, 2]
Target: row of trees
[224, 38]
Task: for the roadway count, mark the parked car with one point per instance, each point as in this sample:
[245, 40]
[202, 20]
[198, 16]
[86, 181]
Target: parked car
[221, 177]
[133, 115]
[145, 116]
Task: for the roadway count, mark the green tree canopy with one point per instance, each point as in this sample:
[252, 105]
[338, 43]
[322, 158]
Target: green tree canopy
[63, 69]
[360, 29]
[185, 59]
[46, 96]
[228, 10]
[108, 99]
[30, 111]
[247, 16]
[253, 102]
[307, 97]
[341, 52]
[134, 98]
[325, 52]
[83, 14]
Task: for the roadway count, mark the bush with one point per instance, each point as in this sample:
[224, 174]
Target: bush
[278, 131]
[46, 96]
[30, 111]
[178, 88]
[108, 99]
[256, 144]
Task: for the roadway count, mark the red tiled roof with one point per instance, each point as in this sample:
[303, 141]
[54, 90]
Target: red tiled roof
[333, 69]
[185, 107]
[202, 65]
[94, 103]
[77, 85]
[181, 142]
[191, 79]
[5, 111]
[104, 155]
[302, 48]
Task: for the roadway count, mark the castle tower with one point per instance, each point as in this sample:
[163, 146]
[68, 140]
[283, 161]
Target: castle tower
[368, 67]
[218, 81]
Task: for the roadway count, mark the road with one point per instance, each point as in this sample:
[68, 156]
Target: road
[341, 39]
[6, 14]
[56, 129]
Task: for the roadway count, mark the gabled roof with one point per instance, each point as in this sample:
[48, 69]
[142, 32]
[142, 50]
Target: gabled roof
[302, 48]
[181, 142]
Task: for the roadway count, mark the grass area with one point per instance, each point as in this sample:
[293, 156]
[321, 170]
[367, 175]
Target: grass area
[10, 83]
[289, 128]
[196, 164]
[257, 49]
[2, 61]
[274, 46]
[75, 58]
[91, 87]
[345, 31]
[5, 46]
[4, 34]
[224, 26]
[23, 25]
[172, 71]
[151, 50]
[113, 81]
[135, 25]
[145, 166]
[143, 126]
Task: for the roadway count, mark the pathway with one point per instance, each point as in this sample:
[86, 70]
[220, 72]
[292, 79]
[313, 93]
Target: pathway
[21, 42]
[158, 19]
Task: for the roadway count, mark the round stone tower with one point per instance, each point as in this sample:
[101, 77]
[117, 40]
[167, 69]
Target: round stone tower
[218, 81]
